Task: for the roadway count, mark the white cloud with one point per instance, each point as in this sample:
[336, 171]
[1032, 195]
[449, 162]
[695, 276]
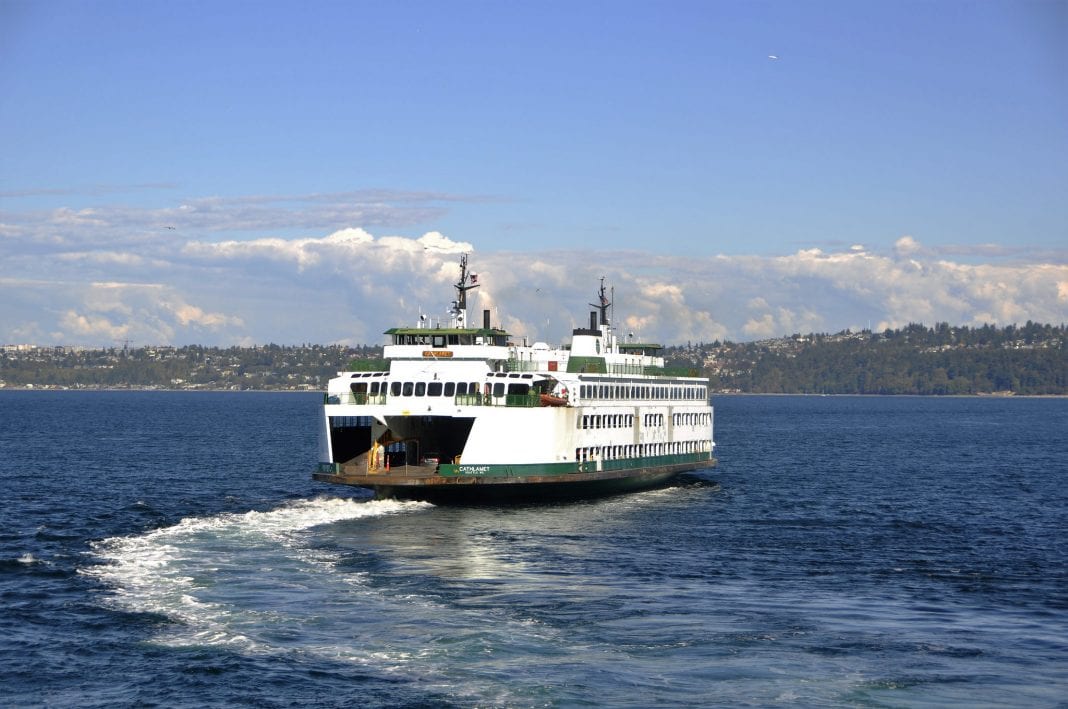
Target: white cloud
[349, 285]
[906, 246]
[103, 313]
[349, 237]
[162, 226]
[91, 327]
[187, 314]
[108, 258]
[341, 250]
[780, 321]
[760, 328]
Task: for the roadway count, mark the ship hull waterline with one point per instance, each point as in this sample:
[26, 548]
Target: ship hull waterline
[434, 488]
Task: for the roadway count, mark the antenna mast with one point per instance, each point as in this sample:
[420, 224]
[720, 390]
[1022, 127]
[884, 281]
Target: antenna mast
[459, 306]
[603, 305]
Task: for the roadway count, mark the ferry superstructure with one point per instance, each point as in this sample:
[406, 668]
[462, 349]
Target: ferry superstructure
[463, 414]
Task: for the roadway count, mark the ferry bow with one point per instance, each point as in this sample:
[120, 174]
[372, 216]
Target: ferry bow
[463, 414]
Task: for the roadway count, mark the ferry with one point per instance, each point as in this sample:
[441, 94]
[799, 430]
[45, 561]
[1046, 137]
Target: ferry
[458, 414]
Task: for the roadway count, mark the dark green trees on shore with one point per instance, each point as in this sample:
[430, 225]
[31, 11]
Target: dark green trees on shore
[1029, 359]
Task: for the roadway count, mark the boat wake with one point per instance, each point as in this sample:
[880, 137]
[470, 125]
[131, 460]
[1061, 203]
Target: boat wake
[269, 584]
[203, 571]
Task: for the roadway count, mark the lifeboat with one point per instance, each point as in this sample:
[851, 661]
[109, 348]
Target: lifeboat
[552, 400]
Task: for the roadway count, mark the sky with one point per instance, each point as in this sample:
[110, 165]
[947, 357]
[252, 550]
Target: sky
[226, 173]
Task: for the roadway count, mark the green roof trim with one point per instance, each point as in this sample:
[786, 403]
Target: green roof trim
[484, 332]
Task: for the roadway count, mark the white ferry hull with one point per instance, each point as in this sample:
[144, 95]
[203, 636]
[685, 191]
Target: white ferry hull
[462, 414]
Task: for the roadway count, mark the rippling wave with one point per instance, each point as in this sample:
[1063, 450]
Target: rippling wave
[171, 549]
[206, 572]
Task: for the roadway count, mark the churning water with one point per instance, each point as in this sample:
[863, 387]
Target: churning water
[170, 549]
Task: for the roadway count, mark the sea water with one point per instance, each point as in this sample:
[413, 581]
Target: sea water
[170, 549]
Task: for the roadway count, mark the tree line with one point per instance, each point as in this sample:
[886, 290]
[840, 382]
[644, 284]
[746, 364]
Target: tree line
[1030, 359]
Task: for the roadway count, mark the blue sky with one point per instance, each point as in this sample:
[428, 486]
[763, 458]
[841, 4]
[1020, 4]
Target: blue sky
[629, 133]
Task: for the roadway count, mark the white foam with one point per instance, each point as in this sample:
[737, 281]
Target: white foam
[260, 583]
[156, 548]
[176, 570]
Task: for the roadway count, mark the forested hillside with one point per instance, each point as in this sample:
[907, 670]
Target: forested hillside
[1029, 359]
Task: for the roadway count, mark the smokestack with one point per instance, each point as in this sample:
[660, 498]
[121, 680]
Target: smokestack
[485, 320]
[593, 319]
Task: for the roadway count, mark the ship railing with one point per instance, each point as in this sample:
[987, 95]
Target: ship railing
[523, 365]
[529, 400]
[354, 398]
[525, 400]
[673, 371]
[649, 370]
[626, 369]
[526, 365]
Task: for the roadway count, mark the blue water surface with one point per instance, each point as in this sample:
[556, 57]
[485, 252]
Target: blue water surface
[170, 549]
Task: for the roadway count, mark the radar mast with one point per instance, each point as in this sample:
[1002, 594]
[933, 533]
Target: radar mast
[603, 305]
[467, 282]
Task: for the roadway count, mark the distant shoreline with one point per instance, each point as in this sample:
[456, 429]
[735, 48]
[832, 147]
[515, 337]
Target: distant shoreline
[1029, 360]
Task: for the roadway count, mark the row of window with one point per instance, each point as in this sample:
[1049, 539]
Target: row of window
[447, 389]
[350, 421]
[648, 420]
[640, 450]
[607, 421]
[431, 340]
[500, 388]
[644, 391]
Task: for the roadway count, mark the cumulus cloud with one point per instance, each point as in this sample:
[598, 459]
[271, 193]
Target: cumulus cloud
[91, 327]
[103, 313]
[187, 314]
[906, 246]
[342, 243]
[908, 288]
[771, 322]
[350, 284]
